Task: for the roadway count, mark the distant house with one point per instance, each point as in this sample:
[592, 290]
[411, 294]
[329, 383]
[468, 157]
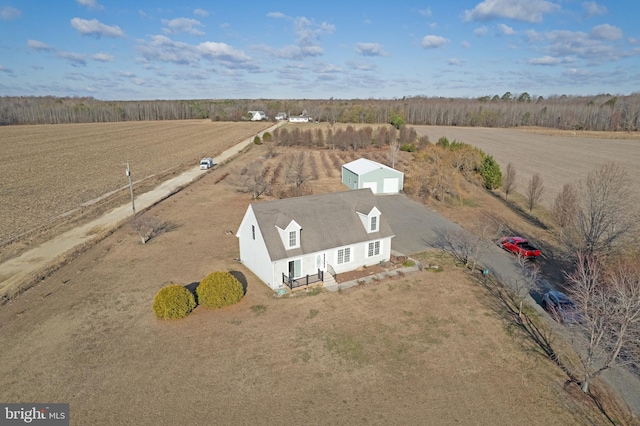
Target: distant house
[258, 116]
[281, 116]
[296, 241]
[363, 173]
[302, 118]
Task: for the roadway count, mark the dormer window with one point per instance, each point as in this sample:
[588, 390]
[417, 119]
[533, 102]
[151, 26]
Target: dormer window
[290, 233]
[370, 217]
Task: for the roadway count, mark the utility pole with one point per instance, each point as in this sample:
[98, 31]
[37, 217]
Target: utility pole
[128, 172]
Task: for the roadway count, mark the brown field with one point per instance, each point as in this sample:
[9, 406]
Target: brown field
[427, 348]
[56, 173]
[559, 157]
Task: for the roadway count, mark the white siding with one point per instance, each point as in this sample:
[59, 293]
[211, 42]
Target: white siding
[253, 253]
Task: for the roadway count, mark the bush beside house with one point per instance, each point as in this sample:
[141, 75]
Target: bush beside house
[219, 289]
[173, 301]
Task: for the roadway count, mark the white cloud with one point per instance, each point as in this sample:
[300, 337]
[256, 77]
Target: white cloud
[276, 15]
[223, 51]
[505, 29]
[75, 58]
[8, 13]
[545, 60]
[591, 9]
[103, 57]
[432, 42]
[328, 69]
[425, 12]
[5, 70]
[593, 49]
[606, 32]
[518, 10]
[38, 45]
[370, 49]
[455, 61]
[465, 44]
[309, 35]
[182, 25]
[164, 49]
[91, 4]
[96, 28]
[480, 31]
[201, 12]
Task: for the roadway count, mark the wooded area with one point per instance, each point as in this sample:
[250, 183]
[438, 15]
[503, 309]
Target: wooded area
[602, 112]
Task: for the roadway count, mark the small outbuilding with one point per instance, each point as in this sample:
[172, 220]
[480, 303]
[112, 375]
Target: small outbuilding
[364, 173]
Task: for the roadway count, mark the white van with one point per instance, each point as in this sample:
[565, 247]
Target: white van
[206, 163]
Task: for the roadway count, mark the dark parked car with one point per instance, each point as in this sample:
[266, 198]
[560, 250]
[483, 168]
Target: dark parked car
[561, 307]
[519, 246]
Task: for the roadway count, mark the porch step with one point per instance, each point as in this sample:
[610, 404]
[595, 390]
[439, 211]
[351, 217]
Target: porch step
[330, 282]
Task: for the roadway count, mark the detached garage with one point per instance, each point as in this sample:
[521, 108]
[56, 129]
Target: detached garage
[363, 173]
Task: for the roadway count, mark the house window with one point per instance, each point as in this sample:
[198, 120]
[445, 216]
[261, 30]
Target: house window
[253, 232]
[344, 255]
[293, 239]
[373, 249]
[374, 223]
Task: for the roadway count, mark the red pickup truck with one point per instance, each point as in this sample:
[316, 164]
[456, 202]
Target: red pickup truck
[519, 246]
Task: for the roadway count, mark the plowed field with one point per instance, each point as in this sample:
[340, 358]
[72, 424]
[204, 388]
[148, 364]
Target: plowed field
[48, 172]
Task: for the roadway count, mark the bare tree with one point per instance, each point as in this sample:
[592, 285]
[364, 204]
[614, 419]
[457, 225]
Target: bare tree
[295, 168]
[530, 275]
[606, 209]
[252, 179]
[608, 299]
[468, 246]
[149, 227]
[535, 189]
[565, 207]
[394, 150]
[509, 180]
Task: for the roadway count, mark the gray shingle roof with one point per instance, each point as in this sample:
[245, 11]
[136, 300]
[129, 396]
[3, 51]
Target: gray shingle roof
[327, 221]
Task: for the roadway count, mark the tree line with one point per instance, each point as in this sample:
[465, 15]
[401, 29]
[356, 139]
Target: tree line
[603, 112]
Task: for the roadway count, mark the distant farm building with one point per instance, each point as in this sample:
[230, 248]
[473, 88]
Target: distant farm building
[281, 116]
[381, 179]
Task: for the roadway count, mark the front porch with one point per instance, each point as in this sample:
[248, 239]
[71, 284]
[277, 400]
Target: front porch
[303, 281]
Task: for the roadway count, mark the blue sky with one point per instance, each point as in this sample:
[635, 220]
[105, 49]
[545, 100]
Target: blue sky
[132, 50]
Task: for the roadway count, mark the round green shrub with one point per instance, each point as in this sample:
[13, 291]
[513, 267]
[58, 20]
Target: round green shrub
[219, 289]
[173, 301]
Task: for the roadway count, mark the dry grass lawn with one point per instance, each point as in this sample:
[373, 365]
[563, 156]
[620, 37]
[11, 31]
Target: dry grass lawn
[427, 348]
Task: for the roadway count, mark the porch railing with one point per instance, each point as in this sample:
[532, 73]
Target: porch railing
[332, 271]
[302, 281]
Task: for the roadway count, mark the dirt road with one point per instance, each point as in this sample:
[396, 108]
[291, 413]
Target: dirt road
[23, 269]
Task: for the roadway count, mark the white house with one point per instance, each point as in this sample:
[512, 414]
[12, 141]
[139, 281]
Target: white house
[295, 241]
[364, 173]
[258, 115]
[300, 119]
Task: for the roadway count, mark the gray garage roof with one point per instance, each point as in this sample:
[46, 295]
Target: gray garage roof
[327, 221]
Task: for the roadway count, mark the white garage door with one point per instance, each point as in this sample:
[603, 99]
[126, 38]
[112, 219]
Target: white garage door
[390, 185]
[372, 185]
